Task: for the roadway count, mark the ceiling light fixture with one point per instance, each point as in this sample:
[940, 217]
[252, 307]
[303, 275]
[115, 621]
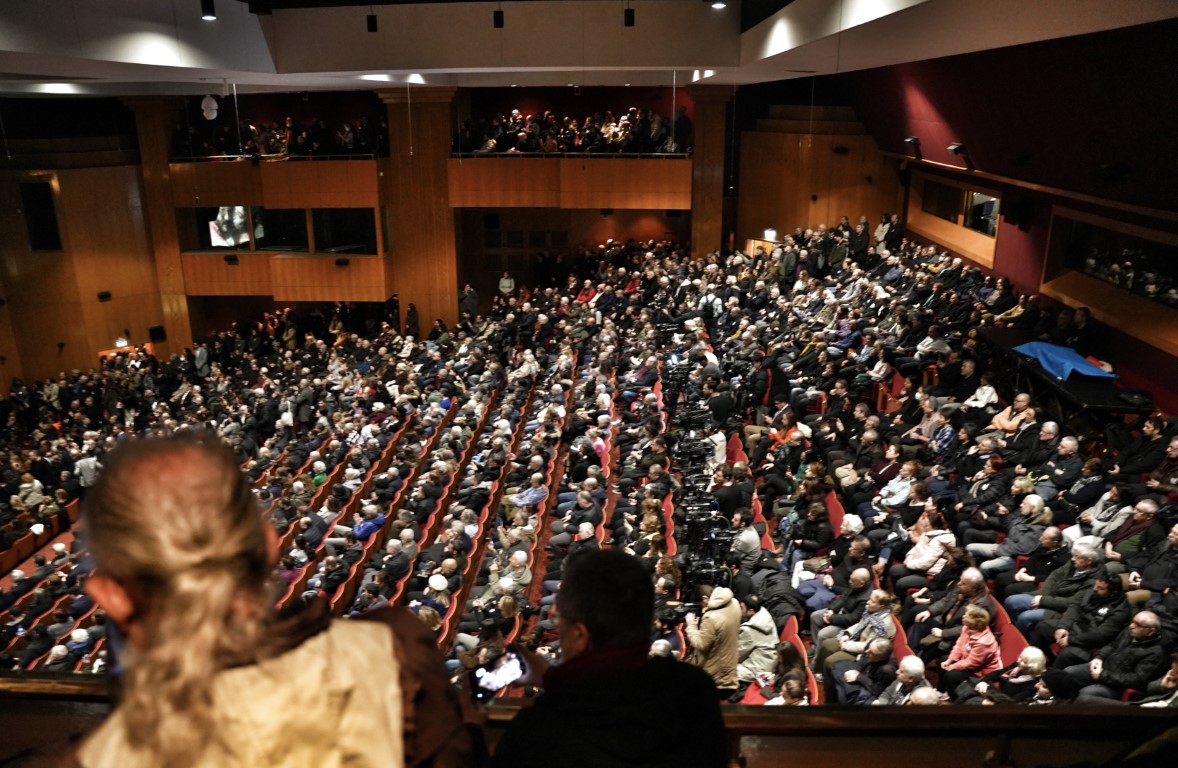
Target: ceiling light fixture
[208, 10]
[719, 5]
[208, 107]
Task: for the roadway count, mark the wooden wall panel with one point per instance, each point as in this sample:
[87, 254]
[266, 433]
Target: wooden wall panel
[155, 117]
[317, 278]
[52, 295]
[22, 273]
[515, 182]
[509, 182]
[102, 227]
[207, 274]
[320, 184]
[286, 277]
[196, 185]
[125, 315]
[422, 266]
[10, 360]
[782, 174]
[973, 245]
[42, 292]
[641, 184]
[31, 277]
[707, 168]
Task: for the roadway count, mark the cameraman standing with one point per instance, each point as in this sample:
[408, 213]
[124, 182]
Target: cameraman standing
[715, 639]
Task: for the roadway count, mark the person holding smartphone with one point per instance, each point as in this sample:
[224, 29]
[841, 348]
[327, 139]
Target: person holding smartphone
[596, 708]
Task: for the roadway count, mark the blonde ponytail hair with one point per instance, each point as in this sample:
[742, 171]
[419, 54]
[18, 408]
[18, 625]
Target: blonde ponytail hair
[173, 520]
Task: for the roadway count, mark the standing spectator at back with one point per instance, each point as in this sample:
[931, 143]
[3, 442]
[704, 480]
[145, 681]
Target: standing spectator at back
[87, 469]
[714, 639]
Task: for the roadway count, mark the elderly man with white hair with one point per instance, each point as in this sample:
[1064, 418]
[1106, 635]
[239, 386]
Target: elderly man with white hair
[512, 580]
[1057, 473]
[909, 679]
[353, 479]
[59, 660]
[394, 563]
[1023, 531]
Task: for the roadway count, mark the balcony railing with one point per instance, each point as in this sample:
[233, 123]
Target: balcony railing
[576, 155]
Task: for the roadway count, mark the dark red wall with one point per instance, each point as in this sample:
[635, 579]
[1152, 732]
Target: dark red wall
[1093, 115]
[1051, 112]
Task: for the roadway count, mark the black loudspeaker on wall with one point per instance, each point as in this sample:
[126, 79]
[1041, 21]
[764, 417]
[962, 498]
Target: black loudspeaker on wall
[104, 295]
[1017, 212]
[342, 262]
[157, 333]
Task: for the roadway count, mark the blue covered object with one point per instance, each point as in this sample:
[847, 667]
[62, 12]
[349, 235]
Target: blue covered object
[1062, 362]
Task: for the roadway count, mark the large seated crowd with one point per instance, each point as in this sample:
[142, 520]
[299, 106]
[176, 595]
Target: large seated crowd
[635, 131]
[907, 527]
[362, 136]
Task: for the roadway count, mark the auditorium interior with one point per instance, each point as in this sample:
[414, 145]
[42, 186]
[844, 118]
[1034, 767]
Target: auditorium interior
[166, 178]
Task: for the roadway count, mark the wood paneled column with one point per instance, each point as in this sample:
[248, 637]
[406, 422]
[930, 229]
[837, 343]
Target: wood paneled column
[422, 265]
[155, 117]
[707, 167]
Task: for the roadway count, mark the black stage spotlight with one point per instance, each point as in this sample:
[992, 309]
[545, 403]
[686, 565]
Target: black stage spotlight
[956, 148]
[208, 10]
[497, 18]
[628, 17]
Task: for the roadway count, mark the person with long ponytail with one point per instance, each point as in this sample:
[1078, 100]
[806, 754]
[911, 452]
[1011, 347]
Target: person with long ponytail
[212, 677]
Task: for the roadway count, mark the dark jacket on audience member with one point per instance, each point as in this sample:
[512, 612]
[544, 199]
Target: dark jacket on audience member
[1130, 663]
[607, 697]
